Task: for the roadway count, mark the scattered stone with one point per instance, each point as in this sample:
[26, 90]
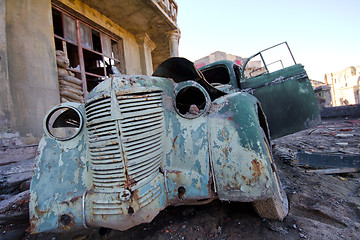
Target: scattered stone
[278, 229]
[25, 185]
[342, 143]
[17, 233]
[302, 236]
[344, 135]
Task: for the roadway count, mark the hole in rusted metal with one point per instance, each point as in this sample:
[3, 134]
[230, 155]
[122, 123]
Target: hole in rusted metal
[130, 211]
[181, 192]
[190, 100]
[65, 219]
[104, 231]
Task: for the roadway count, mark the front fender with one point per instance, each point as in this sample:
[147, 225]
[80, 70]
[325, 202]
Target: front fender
[240, 156]
[61, 177]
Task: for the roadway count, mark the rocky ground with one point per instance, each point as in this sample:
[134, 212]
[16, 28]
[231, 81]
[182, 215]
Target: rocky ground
[321, 206]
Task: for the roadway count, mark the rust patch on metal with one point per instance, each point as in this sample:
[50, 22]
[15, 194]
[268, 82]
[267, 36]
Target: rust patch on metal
[174, 142]
[75, 199]
[223, 133]
[257, 167]
[129, 181]
[38, 211]
[224, 150]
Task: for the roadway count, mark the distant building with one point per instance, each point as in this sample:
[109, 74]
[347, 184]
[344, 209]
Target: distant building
[322, 93]
[218, 56]
[344, 86]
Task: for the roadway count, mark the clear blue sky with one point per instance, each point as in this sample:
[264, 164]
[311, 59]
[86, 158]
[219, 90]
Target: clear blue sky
[324, 35]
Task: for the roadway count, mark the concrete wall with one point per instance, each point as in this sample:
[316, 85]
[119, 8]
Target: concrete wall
[5, 93]
[31, 63]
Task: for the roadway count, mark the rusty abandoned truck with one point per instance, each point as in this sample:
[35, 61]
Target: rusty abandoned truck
[181, 136]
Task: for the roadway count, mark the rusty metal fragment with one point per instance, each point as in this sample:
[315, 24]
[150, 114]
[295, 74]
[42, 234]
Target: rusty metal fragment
[328, 160]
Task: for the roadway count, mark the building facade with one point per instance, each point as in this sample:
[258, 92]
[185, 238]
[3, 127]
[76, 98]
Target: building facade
[344, 86]
[44, 41]
[218, 56]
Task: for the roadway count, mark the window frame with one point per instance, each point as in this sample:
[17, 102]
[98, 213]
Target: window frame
[81, 71]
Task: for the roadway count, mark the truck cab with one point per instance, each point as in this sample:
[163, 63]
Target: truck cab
[277, 81]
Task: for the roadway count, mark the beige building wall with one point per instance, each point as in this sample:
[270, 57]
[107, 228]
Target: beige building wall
[31, 63]
[345, 86]
[5, 93]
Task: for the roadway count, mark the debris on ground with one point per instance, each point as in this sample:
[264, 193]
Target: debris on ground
[322, 206]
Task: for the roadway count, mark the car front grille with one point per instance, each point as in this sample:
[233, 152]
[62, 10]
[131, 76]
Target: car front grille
[125, 152]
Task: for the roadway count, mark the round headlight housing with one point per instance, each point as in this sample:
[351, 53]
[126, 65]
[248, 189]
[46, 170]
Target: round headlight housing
[63, 123]
[191, 99]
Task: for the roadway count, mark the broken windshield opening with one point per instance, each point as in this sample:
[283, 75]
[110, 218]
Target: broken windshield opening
[269, 60]
[217, 75]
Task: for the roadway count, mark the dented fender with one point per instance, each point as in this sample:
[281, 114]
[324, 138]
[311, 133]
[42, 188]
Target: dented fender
[239, 150]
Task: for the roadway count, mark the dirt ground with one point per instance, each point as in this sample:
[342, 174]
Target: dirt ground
[321, 206]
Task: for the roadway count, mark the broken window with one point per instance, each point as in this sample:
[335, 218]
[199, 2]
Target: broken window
[217, 75]
[93, 54]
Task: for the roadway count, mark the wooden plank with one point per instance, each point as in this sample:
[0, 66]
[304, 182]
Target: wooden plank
[13, 155]
[328, 160]
[333, 170]
[12, 175]
[12, 203]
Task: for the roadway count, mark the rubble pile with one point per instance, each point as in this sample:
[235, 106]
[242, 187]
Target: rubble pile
[332, 136]
[16, 169]
[70, 86]
[322, 206]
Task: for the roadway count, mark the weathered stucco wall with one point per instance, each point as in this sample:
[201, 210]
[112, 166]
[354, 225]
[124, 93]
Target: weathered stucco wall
[5, 93]
[31, 63]
[131, 48]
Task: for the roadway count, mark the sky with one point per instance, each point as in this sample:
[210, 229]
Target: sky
[323, 35]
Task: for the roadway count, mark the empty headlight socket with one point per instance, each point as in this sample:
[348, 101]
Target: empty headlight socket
[191, 100]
